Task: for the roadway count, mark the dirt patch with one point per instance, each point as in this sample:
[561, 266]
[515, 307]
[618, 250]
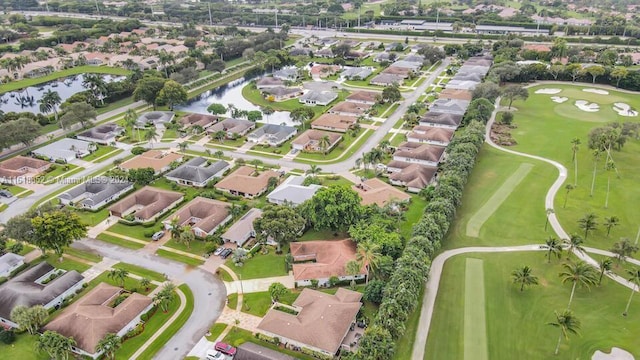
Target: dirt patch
[501, 134]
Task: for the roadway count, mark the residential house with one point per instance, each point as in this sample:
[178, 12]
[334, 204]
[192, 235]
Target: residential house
[320, 321]
[404, 64]
[364, 97]
[386, 80]
[356, 55]
[349, 108]
[95, 193]
[253, 351]
[104, 134]
[272, 135]
[450, 106]
[310, 141]
[462, 84]
[286, 74]
[402, 72]
[299, 52]
[198, 172]
[467, 76]
[314, 97]
[320, 71]
[65, 150]
[478, 61]
[383, 56]
[396, 46]
[9, 262]
[424, 154]
[247, 181]
[456, 94]
[242, 230]
[327, 41]
[159, 160]
[334, 122]
[356, 73]
[233, 127]
[415, 59]
[155, 118]
[21, 169]
[431, 135]
[97, 314]
[414, 176]
[292, 192]
[325, 53]
[476, 69]
[322, 259]
[204, 216]
[269, 82]
[146, 204]
[378, 192]
[201, 120]
[281, 93]
[439, 119]
[42, 284]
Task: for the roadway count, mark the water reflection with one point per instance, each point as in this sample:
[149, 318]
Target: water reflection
[231, 93]
[26, 100]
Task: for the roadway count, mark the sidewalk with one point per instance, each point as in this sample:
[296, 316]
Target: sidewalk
[258, 285]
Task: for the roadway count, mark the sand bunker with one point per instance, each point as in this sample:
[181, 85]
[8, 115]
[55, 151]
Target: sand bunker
[548, 91]
[596, 91]
[624, 109]
[559, 99]
[587, 106]
[616, 354]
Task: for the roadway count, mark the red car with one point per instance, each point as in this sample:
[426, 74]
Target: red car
[225, 348]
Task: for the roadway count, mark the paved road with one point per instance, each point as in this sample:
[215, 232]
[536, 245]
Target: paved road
[208, 291]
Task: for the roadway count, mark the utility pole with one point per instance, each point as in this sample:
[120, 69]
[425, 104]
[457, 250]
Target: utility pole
[210, 18]
[303, 23]
[276, 17]
[97, 8]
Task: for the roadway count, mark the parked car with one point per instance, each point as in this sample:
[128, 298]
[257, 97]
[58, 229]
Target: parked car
[157, 236]
[225, 348]
[218, 251]
[6, 193]
[215, 355]
[225, 254]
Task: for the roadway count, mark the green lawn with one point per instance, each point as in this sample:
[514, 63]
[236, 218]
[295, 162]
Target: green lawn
[260, 266]
[23, 348]
[196, 247]
[238, 336]
[119, 241]
[61, 74]
[129, 283]
[538, 114]
[15, 190]
[174, 327]
[517, 321]
[66, 263]
[312, 234]
[59, 170]
[412, 215]
[170, 134]
[259, 303]
[86, 255]
[25, 247]
[99, 155]
[140, 271]
[93, 218]
[216, 330]
[232, 301]
[339, 152]
[181, 258]
[135, 231]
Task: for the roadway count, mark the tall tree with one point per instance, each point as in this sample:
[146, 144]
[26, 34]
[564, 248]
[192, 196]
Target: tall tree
[524, 277]
[578, 273]
[56, 230]
[623, 249]
[513, 92]
[55, 345]
[335, 207]
[148, 89]
[554, 247]
[611, 222]
[368, 254]
[324, 144]
[165, 296]
[549, 211]
[314, 170]
[150, 135]
[23, 130]
[567, 323]
[604, 265]
[634, 279]
[588, 223]
[108, 345]
[574, 244]
[130, 118]
[301, 115]
[29, 319]
[118, 275]
[610, 165]
[575, 146]
[82, 113]
[352, 268]
[391, 94]
[173, 93]
[276, 291]
[187, 236]
[281, 223]
[49, 103]
[595, 71]
[596, 157]
[618, 74]
[567, 188]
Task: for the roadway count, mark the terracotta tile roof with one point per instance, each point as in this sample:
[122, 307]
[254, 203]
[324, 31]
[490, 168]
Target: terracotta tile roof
[458, 94]
[203, 120]
[155, 159]
[21, 165]
[441, 118]
[317, 69]
[419, 151]
[331, 257]
[363, 96]
[412, 175]
[334, 121]
[202, 213]
[322, 322]
[311, 138]
[430, 133]
[90, 318]
[243, 181]
[350, 107]
[537, 47]
[376, 191]
[151, 201]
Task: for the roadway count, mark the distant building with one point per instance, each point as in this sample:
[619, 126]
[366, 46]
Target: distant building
[95, 193]
[197, 172]
[104, 134]
[242, 182]
[378, 192]
[204, 215]
[232, 127]
[315, 97]
[160, 161]
[414, 176]
[65, 150]
[10, 262]
[272, 135]
[146, 204]
[21, 169]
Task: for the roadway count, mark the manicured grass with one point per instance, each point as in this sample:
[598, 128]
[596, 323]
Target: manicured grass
[26, 248]
[412, 215]
[140, 271]
[61, 74]
[339, 152]
[260, 302]
[172, 329]
[216, 330]
[232, 301]
[66, 263]
[517, 321]
[15, 190]
[196, 247]
[260, 266]
[60, 170]
[181, 258]
[534, 119]
[92, 218]
[237, 337]
[102, 151]
[119, 241]
[312, 234]
[86, 255]
[171, 134]
[23, 348]
[135, 231]
[224, 275]
[129, 283]
[475, 327]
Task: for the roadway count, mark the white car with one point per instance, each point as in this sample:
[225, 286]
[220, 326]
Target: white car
[215, 355]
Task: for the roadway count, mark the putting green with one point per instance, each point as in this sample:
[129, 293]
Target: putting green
[486, 211]
[475, 323]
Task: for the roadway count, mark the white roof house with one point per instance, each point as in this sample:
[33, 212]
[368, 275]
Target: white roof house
[243, 229]
[291, 191]
[65, 150]
[10, 262]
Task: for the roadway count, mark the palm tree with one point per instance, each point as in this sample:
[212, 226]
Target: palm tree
[55, 345]
[183, 146]
[358, 163]
[266, 111]
[574, 243]
[130, 118]
[235, 210]
[165, 59]
[150, 135]
[596, 157]
[118, 275]
[588, 223]
[108, 345]
[96, 85]
[553, 248]
[352, 268]
[578, 273]
[314, 170]
[605, 265]
[610, 165]
[634, 279]
[49, 103]
[324, 143]
[144, 282]
[368, 255]
[610, 222]
[549, 212]
[175, 228]
[568, 188]
[575, 146]
[524, 276]
[165, 296]
[187, 236]
[568, 324]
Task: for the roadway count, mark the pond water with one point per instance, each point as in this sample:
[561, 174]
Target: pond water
[26, 100]
[231, 93]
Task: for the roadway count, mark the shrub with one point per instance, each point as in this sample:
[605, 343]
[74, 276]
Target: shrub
[507, 118]
[137, 150]
[7, 336]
